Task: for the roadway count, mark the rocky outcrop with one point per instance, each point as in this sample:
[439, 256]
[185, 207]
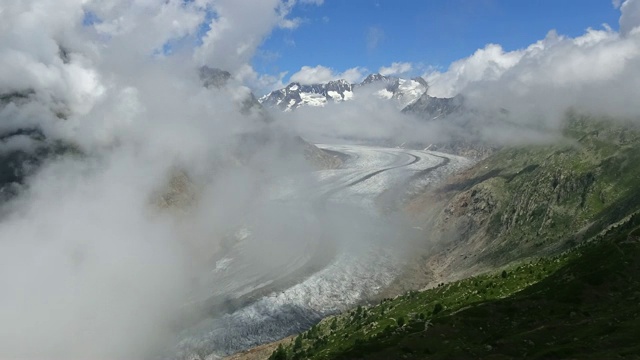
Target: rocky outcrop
[531, 201]
[431, 108]
[317, 157]
[213, 77]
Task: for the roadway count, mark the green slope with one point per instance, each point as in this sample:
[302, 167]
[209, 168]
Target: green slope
[539, 200]
[584, 303]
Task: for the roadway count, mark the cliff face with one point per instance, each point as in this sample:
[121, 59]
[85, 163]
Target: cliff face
[534, 200]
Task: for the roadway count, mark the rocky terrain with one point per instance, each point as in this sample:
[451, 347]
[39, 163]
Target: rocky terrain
[432, 108]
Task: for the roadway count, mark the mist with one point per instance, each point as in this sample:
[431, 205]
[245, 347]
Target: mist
[134, 177]
[146, 171]
[365, 118]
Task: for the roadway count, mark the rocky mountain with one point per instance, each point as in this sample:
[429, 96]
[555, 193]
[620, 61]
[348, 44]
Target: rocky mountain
[431, 108]
[213, 77]
[295, 95]
[24, 149]
[403, 91]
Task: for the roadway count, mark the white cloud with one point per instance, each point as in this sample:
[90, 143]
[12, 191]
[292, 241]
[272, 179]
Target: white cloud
[596, 72]
[290, 23]
[228, 45]
[397, 68]
[630, 18]
[321, 74]
[556, 61]
[487, 63]
[374, 37]
[365, 118]
[116, 263]
[260, 83]
[239, 28]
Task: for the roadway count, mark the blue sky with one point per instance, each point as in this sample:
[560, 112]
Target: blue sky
[342, 34]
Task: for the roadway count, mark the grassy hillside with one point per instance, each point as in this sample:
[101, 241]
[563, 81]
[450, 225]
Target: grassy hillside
[536, 200]
[582, 303]
[558, 226]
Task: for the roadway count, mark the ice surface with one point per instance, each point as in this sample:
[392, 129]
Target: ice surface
[355, 273]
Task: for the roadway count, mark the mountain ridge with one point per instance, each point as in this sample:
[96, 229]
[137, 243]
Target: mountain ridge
[296, 95]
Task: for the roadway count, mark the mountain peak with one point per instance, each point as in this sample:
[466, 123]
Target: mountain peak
[294, 86]
[294, 95]
[339, 81]
[214, 77]
[372, 78]
[421, 81]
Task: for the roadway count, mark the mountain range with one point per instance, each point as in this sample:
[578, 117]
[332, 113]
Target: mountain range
[295, 95]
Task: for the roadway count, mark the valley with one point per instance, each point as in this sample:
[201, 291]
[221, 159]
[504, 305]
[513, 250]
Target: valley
[319, 179]
[322, 275]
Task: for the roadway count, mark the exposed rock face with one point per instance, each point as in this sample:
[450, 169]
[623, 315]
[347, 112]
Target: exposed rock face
[531, 201]
[318, 157]
[213, 77]
[180, 192]
[22, 152]
[431, 108]
[296, 95]
[455, 114]
[16, 97]
[402, 91]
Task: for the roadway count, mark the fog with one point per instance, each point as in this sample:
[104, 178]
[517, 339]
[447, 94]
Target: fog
[147, 170]
[366, 118]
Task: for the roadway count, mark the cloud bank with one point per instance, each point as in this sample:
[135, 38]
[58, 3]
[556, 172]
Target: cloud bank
[396, 69]
[596, 72]
[141, 171]
[321, 74]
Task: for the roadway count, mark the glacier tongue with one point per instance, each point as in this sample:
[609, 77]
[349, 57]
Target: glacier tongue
[356, 272]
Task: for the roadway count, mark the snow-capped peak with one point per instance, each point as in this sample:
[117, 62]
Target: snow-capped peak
[401, 91]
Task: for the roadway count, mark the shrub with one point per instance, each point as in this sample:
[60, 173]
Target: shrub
[298, 343]
[437, 308]
[400, 321]
[279, 354]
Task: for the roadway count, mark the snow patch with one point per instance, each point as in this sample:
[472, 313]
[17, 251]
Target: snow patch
[335, 95]
[313, 99]
[384, 94]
